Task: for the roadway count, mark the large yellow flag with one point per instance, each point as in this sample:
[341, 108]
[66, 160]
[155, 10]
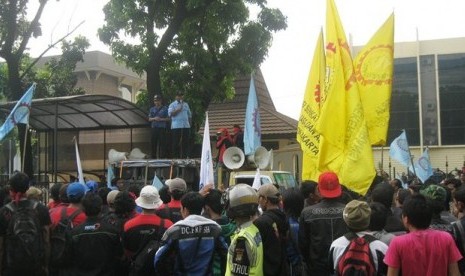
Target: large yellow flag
[346, 148]
[314, 97]
[373, 69]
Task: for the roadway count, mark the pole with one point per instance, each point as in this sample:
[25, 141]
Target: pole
[382, 160]
[24, 147]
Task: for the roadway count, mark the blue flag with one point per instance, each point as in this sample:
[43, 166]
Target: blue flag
[110, 177]
[423, 168]
[399, 150]
[157, 182]
[19, 114]
[252, 125]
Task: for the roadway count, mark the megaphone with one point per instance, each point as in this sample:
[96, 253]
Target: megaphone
[136, 154]
[233, 158]
[260, 158]
[115, 156]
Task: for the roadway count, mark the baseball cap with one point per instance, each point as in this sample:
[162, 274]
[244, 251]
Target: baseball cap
[149, 198]
[357, 214]
[157, 98]
[176, 184]
[434, 192]
[111, 196]
[329, 186]
[268, 191]
[76, 190]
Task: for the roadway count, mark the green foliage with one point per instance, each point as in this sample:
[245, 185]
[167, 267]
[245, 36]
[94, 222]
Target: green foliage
[197, 46]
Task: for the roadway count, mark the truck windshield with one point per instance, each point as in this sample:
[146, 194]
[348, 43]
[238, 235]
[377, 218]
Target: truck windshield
[285, 180]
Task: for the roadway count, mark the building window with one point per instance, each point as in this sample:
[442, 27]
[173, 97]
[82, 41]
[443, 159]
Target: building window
[404, 101]
[451, 71]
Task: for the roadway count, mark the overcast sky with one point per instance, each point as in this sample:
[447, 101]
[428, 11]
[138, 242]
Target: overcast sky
[286, 68]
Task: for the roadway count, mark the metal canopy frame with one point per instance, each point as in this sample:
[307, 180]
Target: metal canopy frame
[79, 113]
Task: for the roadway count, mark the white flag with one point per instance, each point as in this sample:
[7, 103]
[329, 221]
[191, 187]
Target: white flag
[157, 183]
[78, 162]
[206, 162]
[257, 181]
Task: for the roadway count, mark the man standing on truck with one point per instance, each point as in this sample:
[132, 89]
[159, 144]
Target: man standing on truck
[181, 115]
[158, 117]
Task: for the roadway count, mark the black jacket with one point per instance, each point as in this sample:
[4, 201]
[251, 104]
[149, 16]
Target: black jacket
[319, 226]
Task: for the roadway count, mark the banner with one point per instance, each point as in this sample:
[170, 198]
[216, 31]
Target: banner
[374, 70]
[345, 149]
[206, 161]
[78, 162]
[307, 135]
[19, 114]
[399, 150]
[252, 124]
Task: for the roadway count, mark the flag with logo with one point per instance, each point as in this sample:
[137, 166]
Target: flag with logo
[78, 162]
[374, 69]
[307, 135]
[423, 168]
[399, 150]
[19, 114]
[252, 124]
[206, 162]
[346, 148]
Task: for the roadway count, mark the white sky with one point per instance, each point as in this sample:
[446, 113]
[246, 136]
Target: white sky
[286, 68]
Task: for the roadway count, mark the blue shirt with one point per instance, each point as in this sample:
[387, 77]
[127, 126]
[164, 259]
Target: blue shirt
[161, 112]
[181, 119]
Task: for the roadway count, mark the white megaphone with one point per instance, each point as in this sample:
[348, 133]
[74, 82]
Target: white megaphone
[233, 158]
[260, 158]
[136, 154]
[115, 156]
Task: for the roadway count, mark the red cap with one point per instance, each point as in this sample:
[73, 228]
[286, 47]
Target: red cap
[329, 186]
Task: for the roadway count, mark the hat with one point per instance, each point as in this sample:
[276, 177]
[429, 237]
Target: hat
[357, 215]
[92, 186]
[111, 196]
[328, 185]
[176, 184]
[149, 198]
[157, 98]
[33, 192]
[76, 190]
[268, 191]
[434, 192]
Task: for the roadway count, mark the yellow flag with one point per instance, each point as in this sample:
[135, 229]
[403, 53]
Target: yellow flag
[307, 135]
[346, 149]
[373, 69]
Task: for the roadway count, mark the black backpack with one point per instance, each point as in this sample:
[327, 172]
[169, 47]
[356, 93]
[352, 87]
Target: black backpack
[357, 259]
[142, 261]
[59, 245]
[25, 250]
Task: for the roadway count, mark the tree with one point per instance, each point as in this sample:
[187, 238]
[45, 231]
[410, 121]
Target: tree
[15, 32]
[198, 46]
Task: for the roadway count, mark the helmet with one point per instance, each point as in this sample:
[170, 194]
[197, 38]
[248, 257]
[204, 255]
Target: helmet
[241, 201]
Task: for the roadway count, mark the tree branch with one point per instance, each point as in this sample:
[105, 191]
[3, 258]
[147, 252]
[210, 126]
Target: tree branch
[48, 48]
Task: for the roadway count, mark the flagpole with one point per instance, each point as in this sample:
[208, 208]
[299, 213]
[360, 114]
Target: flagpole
[24, 147]
[382, 160]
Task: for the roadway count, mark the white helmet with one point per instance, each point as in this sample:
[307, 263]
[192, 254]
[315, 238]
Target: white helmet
[241, 201]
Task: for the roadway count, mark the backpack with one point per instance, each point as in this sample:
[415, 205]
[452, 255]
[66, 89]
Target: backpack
[142, 261]
[59, 245]
[24, 238]
[297, 267]
[357, 258]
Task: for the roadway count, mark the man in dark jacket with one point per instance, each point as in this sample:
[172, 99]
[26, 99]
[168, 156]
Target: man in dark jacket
[321, 224]
[273, 228]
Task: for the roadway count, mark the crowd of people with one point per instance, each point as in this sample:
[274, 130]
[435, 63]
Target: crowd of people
[319, 228]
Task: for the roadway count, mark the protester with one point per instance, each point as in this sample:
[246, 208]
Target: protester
[34, 193]
[321, 224]
[74, 192]
[436, 196]
[158, 118]
[22, 251]
[238, 137]
[422, 251]
[55, 195]
[181, 115]
[273, 227]
[458, 227]
[384, 194]
[95, 244]
[357, 217]
[191, 244]
[177, 187]
[147, 226]
[245, 254]
[308, 188]
[379, 214]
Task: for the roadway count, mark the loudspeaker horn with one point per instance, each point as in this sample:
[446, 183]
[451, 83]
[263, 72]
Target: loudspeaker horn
[115, 156]
[260, 158]
[233, 158]
[136, 154]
